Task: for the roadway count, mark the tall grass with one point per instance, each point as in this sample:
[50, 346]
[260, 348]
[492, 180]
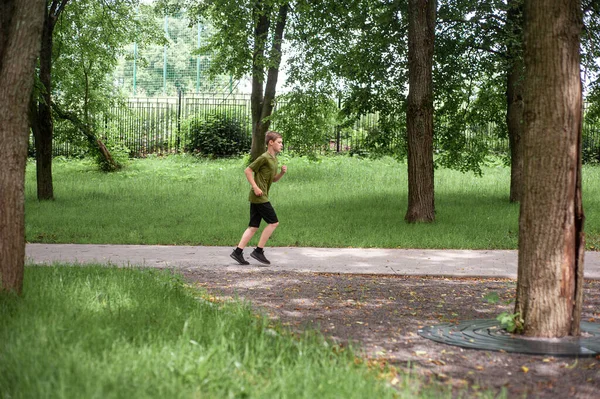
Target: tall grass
[336, 202]
[99, 332]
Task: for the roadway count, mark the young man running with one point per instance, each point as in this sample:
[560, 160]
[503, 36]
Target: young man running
[260, 174]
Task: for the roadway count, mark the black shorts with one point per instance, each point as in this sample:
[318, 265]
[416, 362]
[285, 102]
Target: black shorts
[262, 211]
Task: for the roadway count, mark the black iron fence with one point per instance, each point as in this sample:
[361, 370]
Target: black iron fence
[160, 126]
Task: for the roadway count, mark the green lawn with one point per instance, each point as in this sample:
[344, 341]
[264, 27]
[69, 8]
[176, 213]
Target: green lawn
[100, 332]
[337, 202]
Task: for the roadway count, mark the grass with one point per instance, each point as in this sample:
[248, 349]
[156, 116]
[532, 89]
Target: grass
[337, 202]
[102, 332]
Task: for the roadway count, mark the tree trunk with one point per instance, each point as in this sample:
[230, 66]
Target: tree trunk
[273, 71]
[44, 130]
[514, 98]
[20, 31]
[262, 98]
[261, 31]
[551, 241]
[419, 115]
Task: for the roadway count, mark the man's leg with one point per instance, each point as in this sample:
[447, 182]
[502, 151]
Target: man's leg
[266, 234]
[237, 253]
[247, 236]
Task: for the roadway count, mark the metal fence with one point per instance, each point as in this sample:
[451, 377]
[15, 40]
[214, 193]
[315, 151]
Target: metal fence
[160, 126]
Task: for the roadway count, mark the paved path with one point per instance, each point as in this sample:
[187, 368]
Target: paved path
[422, 262]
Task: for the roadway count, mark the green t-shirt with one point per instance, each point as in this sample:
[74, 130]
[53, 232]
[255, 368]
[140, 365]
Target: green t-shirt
[265, 169]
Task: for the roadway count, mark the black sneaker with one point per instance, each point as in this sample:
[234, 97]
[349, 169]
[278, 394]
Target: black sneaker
[260, 256]
[239, 258]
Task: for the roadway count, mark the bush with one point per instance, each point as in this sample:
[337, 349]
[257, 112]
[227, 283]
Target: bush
[217, 136]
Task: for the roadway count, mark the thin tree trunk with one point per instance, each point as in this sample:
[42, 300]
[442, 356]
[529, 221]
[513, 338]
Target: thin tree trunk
[20, 31]
[551, 241]
[258, 76]
[273, 72]
[514, 98]
[43, 131]
[419, 115]
[263, 98]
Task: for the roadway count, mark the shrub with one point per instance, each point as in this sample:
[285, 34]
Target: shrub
[217, 136]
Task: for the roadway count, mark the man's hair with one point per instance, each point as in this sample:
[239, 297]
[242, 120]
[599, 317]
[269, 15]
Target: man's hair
[272, 136]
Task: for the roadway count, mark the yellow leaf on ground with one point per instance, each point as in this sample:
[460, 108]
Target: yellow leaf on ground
[525, 369]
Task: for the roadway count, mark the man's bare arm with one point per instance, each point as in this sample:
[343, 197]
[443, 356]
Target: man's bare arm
[280, 174]
[250, 176]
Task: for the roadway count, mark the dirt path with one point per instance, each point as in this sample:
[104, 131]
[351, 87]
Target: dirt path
[383, 313]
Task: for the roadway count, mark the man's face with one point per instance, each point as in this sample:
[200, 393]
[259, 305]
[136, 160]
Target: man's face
[278, 145]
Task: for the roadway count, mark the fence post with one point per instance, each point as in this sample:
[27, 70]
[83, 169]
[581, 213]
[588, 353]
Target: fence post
[178, 141]
[337, 127]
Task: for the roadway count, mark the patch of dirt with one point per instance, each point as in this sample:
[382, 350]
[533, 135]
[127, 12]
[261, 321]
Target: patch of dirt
[381, 315]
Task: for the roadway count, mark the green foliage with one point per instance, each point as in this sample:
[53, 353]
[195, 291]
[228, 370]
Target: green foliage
[511, 322]
[306, 120]
[385, 138]
[88, 40]
[217, 135]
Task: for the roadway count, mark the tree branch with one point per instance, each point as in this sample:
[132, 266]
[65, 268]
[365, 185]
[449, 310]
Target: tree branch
[61, 7]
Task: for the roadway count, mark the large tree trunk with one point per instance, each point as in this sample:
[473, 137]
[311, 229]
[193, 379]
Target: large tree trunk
[419, 115]
[20, 30]
[262, 99]
[514, 98]
[551, 241]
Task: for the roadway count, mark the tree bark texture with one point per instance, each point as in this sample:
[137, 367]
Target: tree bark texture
[43, 132]
[20, 31]
[551, 241]
[419, 115]
[262, 98]
[514, 98]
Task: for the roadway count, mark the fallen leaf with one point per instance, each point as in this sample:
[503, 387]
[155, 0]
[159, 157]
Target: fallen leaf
[525, 369]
